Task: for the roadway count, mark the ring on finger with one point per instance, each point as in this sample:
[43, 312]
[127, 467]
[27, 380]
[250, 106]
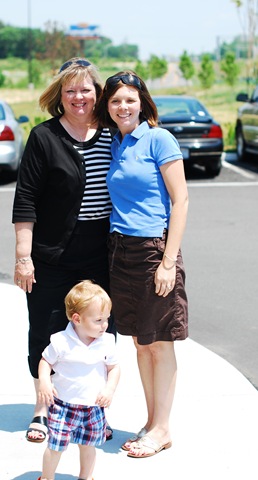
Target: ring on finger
[169, 287]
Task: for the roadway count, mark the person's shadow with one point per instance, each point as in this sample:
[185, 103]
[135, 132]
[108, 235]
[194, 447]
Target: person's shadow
[35, 475]
[15, 417]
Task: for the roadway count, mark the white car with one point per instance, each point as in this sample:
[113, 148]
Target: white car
[11, 138]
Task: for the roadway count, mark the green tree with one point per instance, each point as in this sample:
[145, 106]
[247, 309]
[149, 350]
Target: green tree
[141, 70]
[206, 73]
[13, 42]
[230, 68]
[186, 66]
[123, 52]
[2, 79]
[248, 17]
[157, 67]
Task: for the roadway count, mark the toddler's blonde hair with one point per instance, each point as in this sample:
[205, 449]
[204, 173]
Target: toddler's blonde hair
[82, 294]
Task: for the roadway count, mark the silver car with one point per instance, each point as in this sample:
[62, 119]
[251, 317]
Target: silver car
[246, 130]
[11, 138]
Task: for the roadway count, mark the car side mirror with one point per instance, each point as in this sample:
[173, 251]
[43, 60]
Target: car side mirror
[242, 97]
[23, 119]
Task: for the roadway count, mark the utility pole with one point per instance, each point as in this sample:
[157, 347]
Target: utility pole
[29, 46]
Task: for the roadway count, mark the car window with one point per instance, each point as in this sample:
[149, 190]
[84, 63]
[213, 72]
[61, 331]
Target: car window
[168, 107]
[255, 95]
[2, 113]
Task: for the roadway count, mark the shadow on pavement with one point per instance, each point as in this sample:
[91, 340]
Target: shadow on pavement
[35, 476]
[15, 417]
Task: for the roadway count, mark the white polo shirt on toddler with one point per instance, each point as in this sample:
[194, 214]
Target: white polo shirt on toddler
[80, 370]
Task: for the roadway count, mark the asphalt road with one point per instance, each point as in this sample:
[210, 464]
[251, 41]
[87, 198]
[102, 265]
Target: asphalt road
[220, 251]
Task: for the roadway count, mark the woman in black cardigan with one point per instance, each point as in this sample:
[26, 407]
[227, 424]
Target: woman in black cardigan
[61, 210]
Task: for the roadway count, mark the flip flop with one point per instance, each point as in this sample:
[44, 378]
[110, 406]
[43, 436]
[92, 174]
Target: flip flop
[127, 445]
[40, 420]
[147, 442]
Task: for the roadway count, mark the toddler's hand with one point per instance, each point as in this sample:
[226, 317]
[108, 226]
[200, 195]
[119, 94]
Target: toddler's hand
[46, 393]
[104, 398]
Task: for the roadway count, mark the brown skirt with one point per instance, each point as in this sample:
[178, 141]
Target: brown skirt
[138, 310]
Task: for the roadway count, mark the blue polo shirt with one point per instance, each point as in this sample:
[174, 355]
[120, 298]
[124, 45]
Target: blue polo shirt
[141, 203]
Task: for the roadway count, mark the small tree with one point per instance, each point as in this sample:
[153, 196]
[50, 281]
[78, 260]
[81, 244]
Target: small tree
[186, 66]
[230, 68]
[141, 70]
[35, 71]
[2, 79]
[157, 67]
[206, 74]
[248, 16]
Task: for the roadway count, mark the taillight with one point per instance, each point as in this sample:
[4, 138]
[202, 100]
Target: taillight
[215, 132]
[6, 133]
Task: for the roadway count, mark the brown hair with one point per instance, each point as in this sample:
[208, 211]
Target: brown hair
[50, 99]
[82, 294]
[149, 109]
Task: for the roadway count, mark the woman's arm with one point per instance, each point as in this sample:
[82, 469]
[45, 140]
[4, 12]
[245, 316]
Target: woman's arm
[24, 268]
[174, 177]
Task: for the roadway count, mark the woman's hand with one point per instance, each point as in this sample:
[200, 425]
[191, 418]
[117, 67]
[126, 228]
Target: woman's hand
[164, 280]
[24, 269]
[24, 274]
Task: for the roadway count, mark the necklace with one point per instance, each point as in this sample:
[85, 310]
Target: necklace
[75, 132]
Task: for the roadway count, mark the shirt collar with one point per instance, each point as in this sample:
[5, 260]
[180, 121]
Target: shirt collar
[137, 133]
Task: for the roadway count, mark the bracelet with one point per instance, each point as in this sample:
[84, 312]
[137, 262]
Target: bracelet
[23, 260]
[171, 259]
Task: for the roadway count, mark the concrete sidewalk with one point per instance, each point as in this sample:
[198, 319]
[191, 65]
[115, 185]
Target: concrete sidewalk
[214, 421]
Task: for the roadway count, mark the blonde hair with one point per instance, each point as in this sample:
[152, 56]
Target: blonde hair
[50, 99]
[81, 296]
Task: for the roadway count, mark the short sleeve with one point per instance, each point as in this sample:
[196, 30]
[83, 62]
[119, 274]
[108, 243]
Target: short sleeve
[165, 147]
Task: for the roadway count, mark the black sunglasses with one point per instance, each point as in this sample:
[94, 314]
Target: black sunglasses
[82, 63]
[127, 79]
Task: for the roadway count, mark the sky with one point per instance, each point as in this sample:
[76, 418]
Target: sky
[160, 27]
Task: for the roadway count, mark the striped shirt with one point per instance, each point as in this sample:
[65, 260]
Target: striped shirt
[96, 203]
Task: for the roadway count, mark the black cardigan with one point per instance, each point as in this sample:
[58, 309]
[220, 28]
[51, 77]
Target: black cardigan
[50, 188]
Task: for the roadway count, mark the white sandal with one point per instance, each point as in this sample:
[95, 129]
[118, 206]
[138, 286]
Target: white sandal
[127, 445]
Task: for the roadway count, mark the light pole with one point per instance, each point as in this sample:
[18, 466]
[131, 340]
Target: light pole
[29, 45]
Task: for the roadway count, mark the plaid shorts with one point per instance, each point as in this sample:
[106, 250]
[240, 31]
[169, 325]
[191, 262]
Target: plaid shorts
[75, 423]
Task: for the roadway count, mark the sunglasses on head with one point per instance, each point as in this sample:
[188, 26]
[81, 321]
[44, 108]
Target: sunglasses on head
[82, 63]
[127, 79]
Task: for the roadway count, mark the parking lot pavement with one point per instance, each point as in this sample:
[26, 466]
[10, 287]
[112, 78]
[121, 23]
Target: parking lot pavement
[214, 422]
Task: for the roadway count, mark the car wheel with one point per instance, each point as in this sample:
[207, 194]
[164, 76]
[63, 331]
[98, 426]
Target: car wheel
[240, 145]
[213, 169]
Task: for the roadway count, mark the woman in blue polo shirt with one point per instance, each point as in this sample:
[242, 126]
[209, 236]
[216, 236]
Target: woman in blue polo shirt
[147, 185]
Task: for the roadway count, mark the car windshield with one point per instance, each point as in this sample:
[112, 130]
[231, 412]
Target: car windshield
[168, 107]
